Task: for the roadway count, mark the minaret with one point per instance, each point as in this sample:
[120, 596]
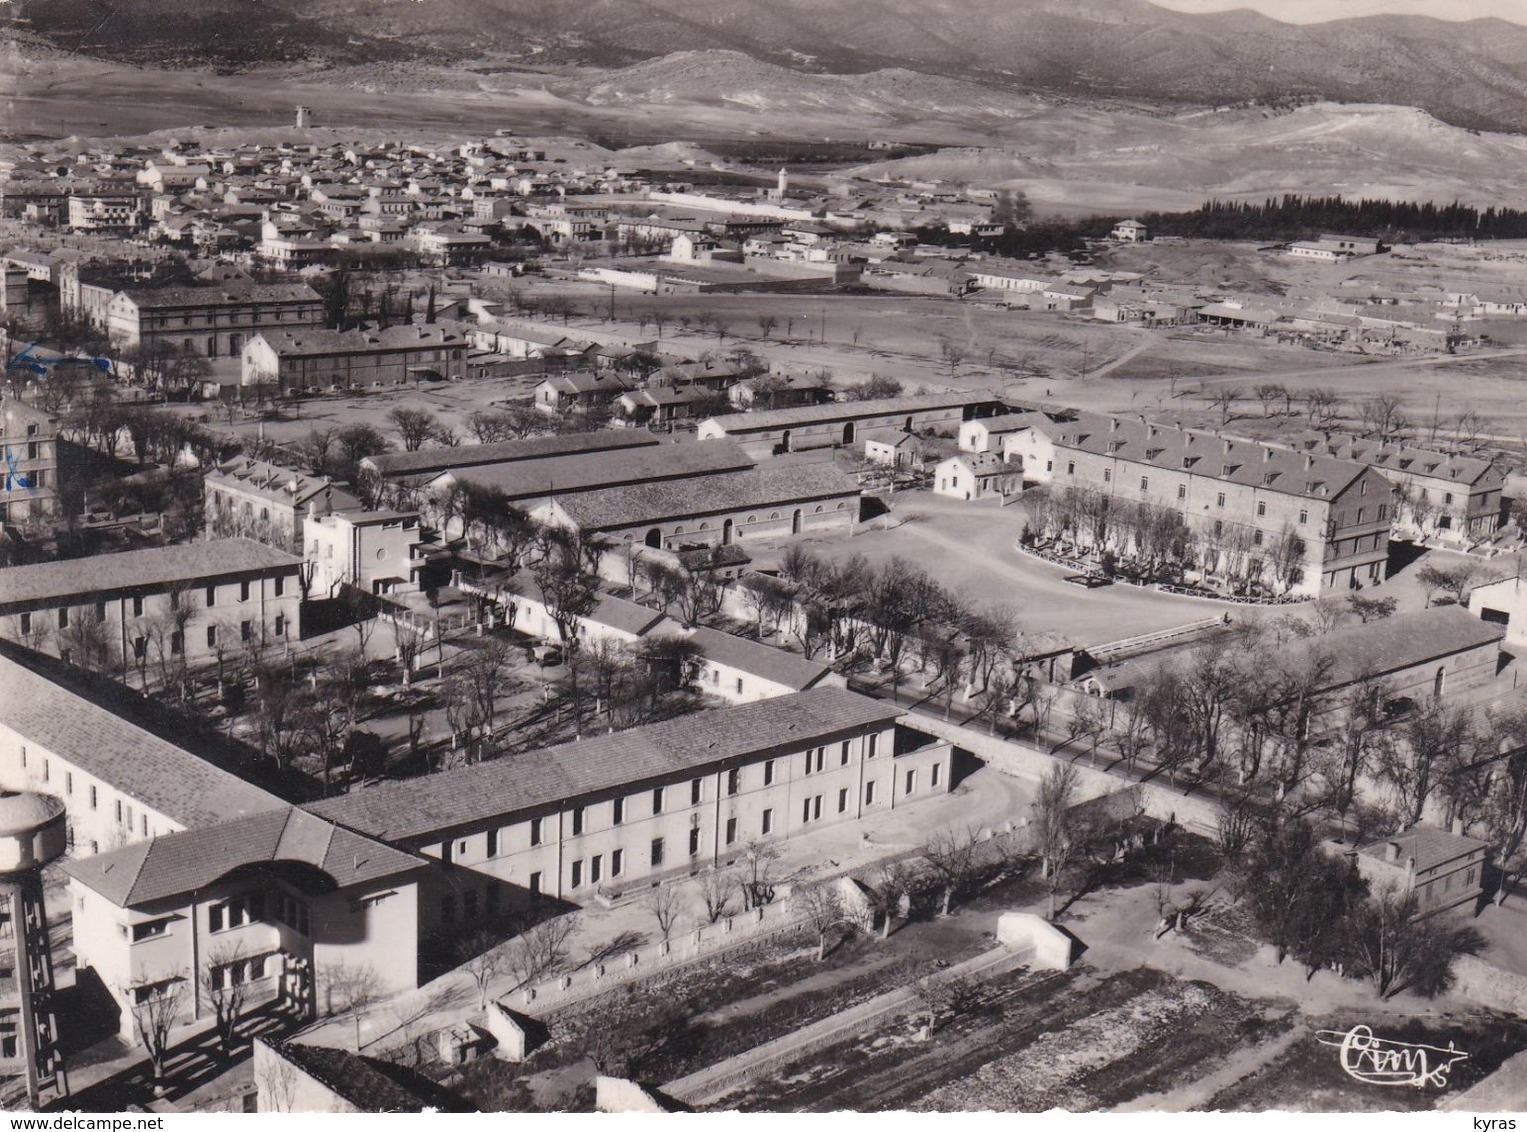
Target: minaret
[33, 833]
[783, 185]
[304, 117]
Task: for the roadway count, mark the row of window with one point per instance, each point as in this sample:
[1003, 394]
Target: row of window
[278, 586]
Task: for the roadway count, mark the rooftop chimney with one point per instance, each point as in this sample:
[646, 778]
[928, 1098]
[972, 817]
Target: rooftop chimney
[1309, 462]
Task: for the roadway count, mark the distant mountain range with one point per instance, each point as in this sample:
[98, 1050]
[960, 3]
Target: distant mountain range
[1471, 74]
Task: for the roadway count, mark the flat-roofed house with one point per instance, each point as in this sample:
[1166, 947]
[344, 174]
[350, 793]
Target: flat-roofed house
[628, 809]
[281, 903]
[1503, 603]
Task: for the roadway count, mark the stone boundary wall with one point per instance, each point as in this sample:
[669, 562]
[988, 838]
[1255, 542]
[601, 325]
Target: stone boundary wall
[1024, 761]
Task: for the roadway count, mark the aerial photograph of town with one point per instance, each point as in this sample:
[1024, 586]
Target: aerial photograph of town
[769, 556]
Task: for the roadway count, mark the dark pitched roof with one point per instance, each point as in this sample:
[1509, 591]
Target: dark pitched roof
[186, 863]
[1232, 459]
[563, 474]
[1392, 643]
[161, 775]
[188, 563]
[1427, 845]
[1399, 458]
[770, 485]
[323, 343]
[483, 455]
[602, 764]
[371, 1085]
[228, 295]
[761, 660]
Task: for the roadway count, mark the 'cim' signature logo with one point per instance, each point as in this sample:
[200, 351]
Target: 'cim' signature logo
[1378, 1061]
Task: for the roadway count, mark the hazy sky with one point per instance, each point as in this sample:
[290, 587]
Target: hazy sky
[1317, 11]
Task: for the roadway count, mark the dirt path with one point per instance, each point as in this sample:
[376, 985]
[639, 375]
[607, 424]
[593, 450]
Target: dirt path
[824, 981]
[1195, 1094]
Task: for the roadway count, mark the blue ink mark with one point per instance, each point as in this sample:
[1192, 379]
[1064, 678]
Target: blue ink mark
[13, 476]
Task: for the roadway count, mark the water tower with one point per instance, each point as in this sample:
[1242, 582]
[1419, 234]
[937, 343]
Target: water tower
[304, 117]
[32, 834]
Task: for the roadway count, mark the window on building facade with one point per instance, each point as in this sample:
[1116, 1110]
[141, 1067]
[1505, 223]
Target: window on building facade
[657, 800]
[211, 596]
[1219, 499]
[767, 825]
[843, 800]
[731, 831]
[933, 774]
[657, 851]
[575, 879]
[535, 831]
[26, 623]
[1261, 508]
[577, 820]
[695, 791]
[490, 847]
[911, 782]
[1304, 517]
[243, 592]
[694, 841]
[63, 617]
[769, 771]
[617, 862]
[843, 754]
[1071, 467]
[869, 793]
[874, 745]
[534, 884]
[617, 811]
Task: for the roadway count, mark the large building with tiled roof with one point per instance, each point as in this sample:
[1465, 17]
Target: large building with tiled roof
[214, 321]
[428, 461]
[140, 611]
[633, 807]
[1306, 522]
[772, 500]
[1439, 495]
[121, 777]
[350, 359]
[278, 903]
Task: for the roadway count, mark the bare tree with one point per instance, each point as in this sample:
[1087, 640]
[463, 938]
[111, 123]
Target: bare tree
[822, 909]
[1270, 393]
[717, 887]
[414, 427]
[541, 950]
[358, 988]
[1051, 826]
[951, 854]
[156, 1011]
[663, 902]
[943, 997]
[1225, 398]
[223, 985]
[484, 961]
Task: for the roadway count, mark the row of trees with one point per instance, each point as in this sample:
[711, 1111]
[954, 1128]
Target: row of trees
[1156, 542]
